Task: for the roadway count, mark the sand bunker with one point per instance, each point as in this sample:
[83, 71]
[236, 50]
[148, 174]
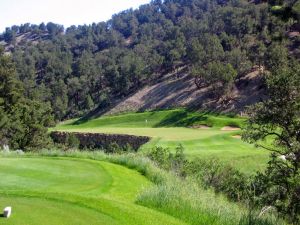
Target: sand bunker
[230, 128]
[200, 127]
[237, 136]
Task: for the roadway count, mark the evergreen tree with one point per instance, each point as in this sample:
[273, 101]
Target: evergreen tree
[23, 122]
[119, 56]
[89, 103]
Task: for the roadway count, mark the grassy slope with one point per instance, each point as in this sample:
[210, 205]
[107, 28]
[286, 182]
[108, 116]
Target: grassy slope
[53, 190]
[169, 128]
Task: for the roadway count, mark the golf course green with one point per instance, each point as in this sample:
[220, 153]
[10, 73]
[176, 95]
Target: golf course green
[69, 191]
[79, 189]
[201, 134]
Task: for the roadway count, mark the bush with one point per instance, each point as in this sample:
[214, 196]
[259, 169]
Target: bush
[72, 141]
[167, 160]
[209, 173]
[161, 156]
[253, 219]
[114, 148]
[272, 188]
[223, 178]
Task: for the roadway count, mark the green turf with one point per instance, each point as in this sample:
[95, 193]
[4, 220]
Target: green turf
[166, 118]
[172, 127]
[73, 191]
[48, 212]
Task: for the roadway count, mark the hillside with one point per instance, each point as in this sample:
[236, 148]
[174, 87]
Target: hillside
[23, 39]
[133, 61]
[178, 89]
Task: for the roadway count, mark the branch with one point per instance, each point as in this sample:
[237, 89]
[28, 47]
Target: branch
[279, 136]
[269, 149]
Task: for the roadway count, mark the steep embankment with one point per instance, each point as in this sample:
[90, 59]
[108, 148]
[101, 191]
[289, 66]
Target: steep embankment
[178, 89]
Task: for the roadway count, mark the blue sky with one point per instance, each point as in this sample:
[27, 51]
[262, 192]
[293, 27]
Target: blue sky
[66, 12]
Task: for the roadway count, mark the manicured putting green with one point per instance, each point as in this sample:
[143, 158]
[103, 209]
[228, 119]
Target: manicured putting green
[73, 191]
[170, 128]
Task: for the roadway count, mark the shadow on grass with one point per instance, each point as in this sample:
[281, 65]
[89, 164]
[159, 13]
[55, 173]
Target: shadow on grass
[100, 110]
[183, 119]
[89, 116]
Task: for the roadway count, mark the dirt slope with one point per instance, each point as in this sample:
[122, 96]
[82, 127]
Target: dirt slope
[178, 90]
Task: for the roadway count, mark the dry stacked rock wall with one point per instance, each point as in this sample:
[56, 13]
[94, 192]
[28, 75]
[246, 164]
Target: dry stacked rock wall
[101, 141]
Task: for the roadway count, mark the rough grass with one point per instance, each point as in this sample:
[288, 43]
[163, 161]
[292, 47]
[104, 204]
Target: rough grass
[191, 203]
[172, 127]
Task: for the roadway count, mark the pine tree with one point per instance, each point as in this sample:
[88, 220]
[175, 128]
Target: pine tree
[23, 122]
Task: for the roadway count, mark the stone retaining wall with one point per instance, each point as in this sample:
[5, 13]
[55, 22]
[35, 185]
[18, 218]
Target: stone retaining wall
[101, 141]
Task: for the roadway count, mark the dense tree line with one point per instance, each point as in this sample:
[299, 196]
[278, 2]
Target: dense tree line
[23, 122]
[83, 67]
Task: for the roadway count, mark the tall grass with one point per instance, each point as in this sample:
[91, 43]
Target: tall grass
[189, 202]
[183, 199]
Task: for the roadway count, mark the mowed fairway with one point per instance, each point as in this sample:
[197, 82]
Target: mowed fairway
[69, 191]
[173, 127]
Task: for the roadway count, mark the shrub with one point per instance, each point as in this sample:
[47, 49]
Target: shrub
[209, 173]
[167, 160]
[272, 188]
[253, 219]
[72, 141]
[223, 178]
[113, 148]
[161, 156]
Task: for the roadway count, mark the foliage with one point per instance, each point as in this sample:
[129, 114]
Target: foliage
[274, 125]
[114, 148]
[89, 66]
[221, 77]
[223, 178]
[236, 186]
[167, 160]
[209, 173]
[23, 121]
[72, 141]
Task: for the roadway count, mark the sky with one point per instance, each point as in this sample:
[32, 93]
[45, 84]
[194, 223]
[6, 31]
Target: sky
[65, 12]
